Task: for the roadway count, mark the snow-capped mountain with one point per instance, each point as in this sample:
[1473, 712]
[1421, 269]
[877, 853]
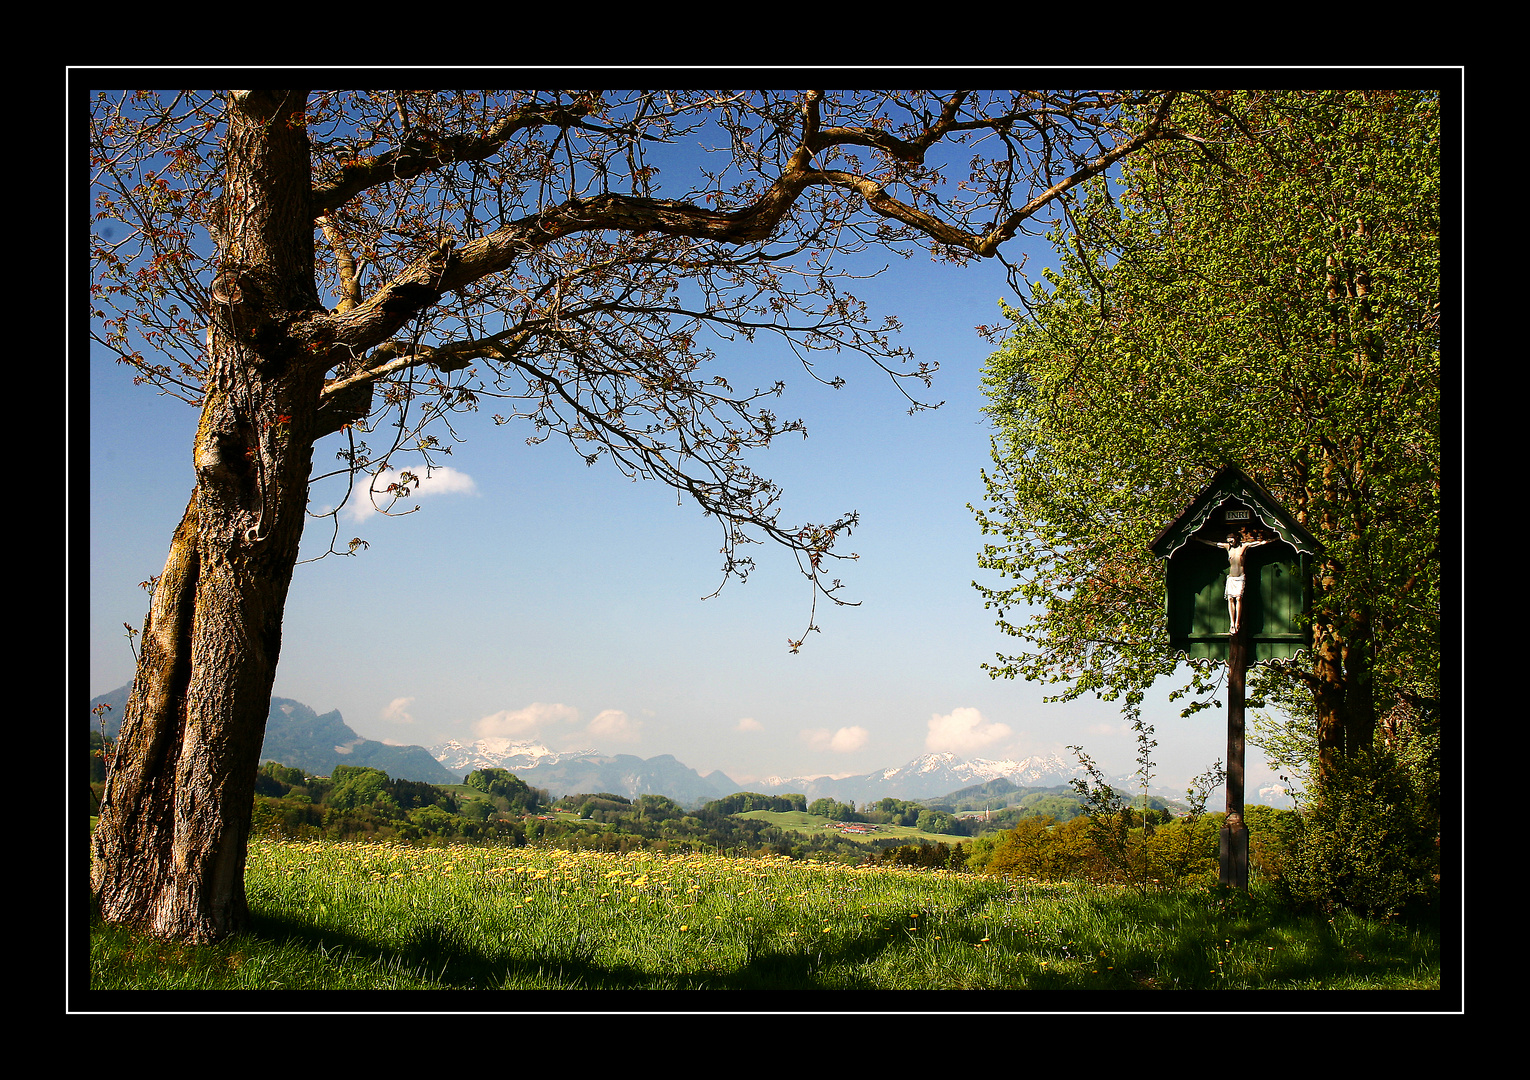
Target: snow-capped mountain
[925, 777]
[946, 768]
[560, 773]
[501, 754]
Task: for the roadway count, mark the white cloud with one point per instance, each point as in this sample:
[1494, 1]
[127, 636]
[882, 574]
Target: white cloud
[398, 710]
[962, 731]
[528, 721]
[843, 741]
[749, 723]
[372, 492]
[1105, 728]
[613, 724]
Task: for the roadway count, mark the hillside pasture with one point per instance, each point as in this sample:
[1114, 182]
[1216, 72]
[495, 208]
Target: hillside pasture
[813, 825]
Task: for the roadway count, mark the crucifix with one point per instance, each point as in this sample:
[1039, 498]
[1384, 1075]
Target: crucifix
[1237, 580]
[1266, 594]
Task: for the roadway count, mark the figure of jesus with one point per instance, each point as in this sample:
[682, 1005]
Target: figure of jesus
[1235, 576]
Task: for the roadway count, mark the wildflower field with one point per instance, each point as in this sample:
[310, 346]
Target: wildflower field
[336, 915]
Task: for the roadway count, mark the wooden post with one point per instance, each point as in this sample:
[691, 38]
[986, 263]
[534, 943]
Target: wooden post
[1279, 585]
[1234, 838]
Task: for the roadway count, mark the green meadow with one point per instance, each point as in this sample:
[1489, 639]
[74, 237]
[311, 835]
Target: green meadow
[347, 916]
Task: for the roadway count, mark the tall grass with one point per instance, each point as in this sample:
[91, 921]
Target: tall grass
[333, 915]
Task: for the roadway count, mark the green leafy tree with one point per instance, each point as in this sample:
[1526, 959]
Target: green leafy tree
[934, 821]
[433, 821]
[1265, 296]
[891, 811]
[301, 265]
[743, 801]
[833, 809]
[415, 794]
[357, 786]
[276, 780]
[656, 808]
[503, 784]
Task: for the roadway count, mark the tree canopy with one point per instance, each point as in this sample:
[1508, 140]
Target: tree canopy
[565, 261]
[1265, 296]
[561, 261]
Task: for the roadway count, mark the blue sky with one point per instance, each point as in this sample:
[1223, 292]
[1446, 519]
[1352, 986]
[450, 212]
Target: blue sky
[533, 597]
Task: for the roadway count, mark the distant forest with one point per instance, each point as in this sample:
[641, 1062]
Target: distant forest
[493, 805]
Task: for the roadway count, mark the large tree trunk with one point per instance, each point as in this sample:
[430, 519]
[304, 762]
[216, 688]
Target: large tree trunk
[168, 852]
[170, 844]
[1327, 643]
[1328, 694]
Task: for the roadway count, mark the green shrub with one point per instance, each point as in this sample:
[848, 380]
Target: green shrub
[1037, 848]
[1370, 841]
[1274, 838]
[1181, 852]
[1185, 851]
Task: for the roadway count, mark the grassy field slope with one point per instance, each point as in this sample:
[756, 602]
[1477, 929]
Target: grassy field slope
[334, 915]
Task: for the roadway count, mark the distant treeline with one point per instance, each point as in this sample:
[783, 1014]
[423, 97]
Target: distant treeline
[1380, 851]
[364, 803]
[494, 805]
[360, 803]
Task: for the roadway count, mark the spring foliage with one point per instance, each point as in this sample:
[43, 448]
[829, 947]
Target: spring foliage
[1267, 298]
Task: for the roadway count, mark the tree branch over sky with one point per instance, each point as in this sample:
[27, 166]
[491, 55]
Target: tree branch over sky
[374, 264]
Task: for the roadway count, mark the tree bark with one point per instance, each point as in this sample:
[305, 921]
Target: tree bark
[168, 852]
[1327, 645]
[1328, 695]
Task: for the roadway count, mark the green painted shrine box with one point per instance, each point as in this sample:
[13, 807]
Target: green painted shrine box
[1279, 573]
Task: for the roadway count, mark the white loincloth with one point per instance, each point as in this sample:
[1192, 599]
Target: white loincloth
[1235, 586]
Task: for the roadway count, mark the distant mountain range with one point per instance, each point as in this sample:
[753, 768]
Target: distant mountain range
[927, 777]
[297, 736]
[588, 770]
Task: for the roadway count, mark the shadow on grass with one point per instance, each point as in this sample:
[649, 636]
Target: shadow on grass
[1217, 933]
[1192, 932]
[435, 951]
